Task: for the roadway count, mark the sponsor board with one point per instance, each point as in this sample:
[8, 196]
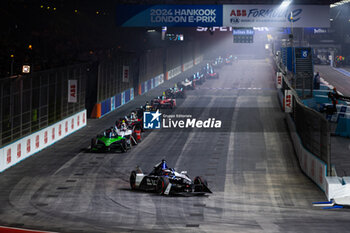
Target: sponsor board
[126, 74]
[169, 15]
[279, 80]
[31, 144]
[174, 72]
[72, 91]
[276, 16]
[288, 96]
[188, 65]
[198, 60]
[223, 15]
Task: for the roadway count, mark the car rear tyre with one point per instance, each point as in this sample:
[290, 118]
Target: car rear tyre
[124, 147]
[162, 184]
[200, 182]
[133, 180]
[93, 143]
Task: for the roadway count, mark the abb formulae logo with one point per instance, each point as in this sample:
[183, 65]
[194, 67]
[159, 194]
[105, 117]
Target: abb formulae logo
[72, 125]
[288, 101]
[37, 141]
[8, 159]
[279, 80]
[53, 134]
[238, 13]
[19, 151]
[45, 137]
[66, 126]
[60, 130]
[78, 121]
[84, 118]
[28, 145]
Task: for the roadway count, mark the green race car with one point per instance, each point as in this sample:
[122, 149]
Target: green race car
[109, 143]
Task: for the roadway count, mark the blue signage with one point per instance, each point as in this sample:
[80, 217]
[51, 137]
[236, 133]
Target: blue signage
[304, 53]
[243, 31]
[169, 15]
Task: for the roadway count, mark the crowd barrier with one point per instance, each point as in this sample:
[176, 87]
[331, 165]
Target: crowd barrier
[31, 144]
[110, 104]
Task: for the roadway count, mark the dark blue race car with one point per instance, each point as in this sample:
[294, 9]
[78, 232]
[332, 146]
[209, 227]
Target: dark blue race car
[165, 180]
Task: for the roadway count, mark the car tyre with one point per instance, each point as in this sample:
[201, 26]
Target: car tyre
[93, 143]
[200, 182]
[133, 180]
[124, 147]
[162, 184]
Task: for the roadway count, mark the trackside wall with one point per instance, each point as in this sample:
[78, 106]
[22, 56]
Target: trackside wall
[31, 144]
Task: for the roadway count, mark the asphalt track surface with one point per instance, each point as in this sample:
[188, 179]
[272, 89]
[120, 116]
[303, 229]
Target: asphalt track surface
[250, 166]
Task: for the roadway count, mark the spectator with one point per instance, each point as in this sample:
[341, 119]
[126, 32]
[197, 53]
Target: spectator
[317, 81]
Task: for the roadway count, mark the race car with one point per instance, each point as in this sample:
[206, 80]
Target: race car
[228, 60]
[198, 78]
[218, 62]
[175, 93]
[163, 102]
[134, 122]
[165, 180]
[211, 74]
[109, 141]
[186, 84]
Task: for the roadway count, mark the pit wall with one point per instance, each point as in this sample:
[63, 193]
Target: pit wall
[333, 186]
[31, 144]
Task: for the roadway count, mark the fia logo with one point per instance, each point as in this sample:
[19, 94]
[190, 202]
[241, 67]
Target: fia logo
[234, 20]
[152, 120]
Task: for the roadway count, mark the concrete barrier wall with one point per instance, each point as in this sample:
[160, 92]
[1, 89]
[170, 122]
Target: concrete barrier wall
[197, 60]
[187, 65]
[334, 187]
[108, 105]
[174, 72]
[31, 144]
[310, 164]
[150, 84]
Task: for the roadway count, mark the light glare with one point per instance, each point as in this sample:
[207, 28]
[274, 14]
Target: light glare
[285, 3]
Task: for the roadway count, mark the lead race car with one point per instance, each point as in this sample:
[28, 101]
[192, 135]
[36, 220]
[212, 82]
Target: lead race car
[166, 181]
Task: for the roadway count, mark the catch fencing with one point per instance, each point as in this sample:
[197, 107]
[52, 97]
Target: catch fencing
[311, 126]
[32, 102]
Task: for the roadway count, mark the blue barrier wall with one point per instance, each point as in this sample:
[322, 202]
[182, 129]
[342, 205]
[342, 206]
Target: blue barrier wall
[116, 101]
